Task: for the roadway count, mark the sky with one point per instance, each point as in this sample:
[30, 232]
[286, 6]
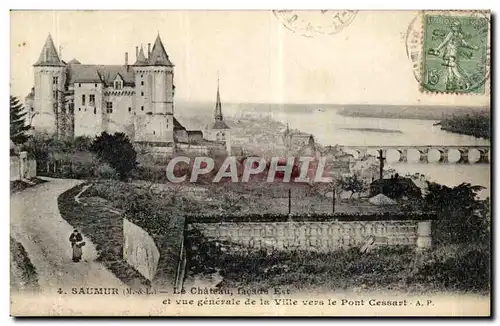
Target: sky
[256, 57]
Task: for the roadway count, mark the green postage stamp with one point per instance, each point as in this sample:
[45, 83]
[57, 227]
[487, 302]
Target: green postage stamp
[455, 53]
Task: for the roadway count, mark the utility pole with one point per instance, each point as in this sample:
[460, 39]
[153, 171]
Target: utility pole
[333, 201]
[289, 201]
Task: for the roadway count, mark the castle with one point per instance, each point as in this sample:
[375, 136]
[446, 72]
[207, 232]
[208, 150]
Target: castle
[74, 99]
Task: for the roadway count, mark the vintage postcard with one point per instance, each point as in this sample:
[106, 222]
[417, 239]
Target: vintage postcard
[250, 163]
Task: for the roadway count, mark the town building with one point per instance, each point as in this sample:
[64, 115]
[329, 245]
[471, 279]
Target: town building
[395, 187]
[294, 140]
[71, 99]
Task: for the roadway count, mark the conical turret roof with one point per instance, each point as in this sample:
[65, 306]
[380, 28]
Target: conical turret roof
[49, 56]
[141, 59]
[158, 55]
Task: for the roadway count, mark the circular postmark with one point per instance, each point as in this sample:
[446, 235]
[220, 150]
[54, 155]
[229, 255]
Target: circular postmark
[315, 22]
[450, 51]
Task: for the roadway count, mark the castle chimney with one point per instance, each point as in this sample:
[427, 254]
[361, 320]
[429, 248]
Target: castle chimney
[126, 60]
[136, 52]
[149, 49]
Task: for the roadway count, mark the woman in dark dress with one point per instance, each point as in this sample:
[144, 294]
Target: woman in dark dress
[76, 244]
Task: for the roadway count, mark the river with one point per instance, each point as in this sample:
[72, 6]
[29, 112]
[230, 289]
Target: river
[330, 128]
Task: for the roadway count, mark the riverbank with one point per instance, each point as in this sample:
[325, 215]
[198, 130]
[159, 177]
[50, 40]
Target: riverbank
[407, 112]
[388, 131]
[477, 125]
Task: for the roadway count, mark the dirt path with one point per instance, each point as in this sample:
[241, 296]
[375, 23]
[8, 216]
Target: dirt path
[36, 223]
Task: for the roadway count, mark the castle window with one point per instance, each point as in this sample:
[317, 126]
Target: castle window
[142, 108]
[32, 109]
[109, 107]
[129, 109]
[154, 132]
[118, 84]
[83, 99]
[79, 85]
[54, 94]
[95, 85]
[142, 76]
[92, 100]
[142, 82]
[55, 80]
[142, 93]
[79, 109]
[95, 111]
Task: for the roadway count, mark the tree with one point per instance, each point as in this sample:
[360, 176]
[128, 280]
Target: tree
[18, 127]
[353, 183]
[117, 151]
[462, 216]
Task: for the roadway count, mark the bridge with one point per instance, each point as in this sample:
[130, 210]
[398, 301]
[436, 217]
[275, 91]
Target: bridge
[423, 150]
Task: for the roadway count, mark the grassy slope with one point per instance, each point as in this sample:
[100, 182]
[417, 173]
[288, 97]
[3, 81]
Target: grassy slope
[23, 273]
[104, 228]
[156, 215]
[19, 185]
[462, 268]
[102, 220]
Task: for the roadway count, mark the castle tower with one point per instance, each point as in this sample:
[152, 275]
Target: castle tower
[50, 78]
[154, 78]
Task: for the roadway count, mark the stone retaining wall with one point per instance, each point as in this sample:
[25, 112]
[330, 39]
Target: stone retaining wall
[320, 236]
[139, 250]
[22, 168]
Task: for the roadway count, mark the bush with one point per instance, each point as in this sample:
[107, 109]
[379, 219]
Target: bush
[117, 151]
[149, 173]
[82, 170]
[457, 267]
[105, 171]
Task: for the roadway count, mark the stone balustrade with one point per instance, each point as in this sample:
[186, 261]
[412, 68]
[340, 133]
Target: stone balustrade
[320, 235]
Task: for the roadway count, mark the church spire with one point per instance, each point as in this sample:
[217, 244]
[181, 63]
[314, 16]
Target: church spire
[49, 56]
[218, 105]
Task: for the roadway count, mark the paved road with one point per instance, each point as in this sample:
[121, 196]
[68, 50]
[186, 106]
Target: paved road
[36, 223]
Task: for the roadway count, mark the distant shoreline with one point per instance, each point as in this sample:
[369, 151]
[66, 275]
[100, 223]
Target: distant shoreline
[381, 130]
[396, 112]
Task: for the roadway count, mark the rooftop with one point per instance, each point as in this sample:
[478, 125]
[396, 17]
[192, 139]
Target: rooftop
[79, 73]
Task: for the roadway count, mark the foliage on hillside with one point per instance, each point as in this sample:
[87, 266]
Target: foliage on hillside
[463, 217]
[477, 125]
